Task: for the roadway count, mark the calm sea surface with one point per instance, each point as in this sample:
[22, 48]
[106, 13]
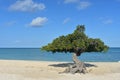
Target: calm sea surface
[35, 54]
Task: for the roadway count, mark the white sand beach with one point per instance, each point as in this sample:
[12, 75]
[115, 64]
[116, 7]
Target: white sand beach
[44, 70]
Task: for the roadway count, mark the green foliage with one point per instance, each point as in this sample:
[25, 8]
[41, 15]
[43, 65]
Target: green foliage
[76, 42]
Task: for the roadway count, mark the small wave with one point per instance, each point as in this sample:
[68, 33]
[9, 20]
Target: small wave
[119, 61]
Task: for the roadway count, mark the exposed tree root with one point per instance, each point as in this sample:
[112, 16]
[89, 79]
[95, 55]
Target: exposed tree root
[78, 67]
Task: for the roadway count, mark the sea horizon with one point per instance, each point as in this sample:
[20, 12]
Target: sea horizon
[41, 46]
[35, 54]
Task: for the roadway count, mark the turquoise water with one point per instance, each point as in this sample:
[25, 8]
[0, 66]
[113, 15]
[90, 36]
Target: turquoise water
[113, 55]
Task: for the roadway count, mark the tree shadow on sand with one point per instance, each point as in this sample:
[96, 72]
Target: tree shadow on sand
[68, 64]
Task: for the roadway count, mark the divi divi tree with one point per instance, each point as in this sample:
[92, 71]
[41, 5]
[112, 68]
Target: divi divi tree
[77, 43]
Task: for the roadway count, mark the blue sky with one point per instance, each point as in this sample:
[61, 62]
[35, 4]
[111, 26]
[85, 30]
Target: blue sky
[34, 23]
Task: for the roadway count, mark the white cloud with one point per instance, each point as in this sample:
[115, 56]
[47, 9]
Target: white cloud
[109, 21]
[71, 1]
[118, 0]
[106, 20]
[10, 23]
[80, 4]
[38, 22]
[83, 5]
[17, 41]
[66, 20]
[26, 5]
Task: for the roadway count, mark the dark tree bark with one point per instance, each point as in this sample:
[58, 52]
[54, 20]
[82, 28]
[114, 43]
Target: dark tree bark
[77, 67]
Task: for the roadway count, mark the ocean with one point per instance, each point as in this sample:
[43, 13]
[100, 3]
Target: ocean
[35, 54]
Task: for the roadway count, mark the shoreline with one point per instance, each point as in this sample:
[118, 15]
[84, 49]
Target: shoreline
[47, 70]
[59, 61]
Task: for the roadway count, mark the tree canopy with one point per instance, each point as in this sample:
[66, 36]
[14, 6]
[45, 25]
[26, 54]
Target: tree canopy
[77, 42]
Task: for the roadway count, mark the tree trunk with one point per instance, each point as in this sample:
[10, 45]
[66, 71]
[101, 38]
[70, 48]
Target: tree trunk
[77, 67]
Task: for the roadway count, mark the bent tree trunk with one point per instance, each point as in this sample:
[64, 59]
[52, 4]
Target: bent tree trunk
[77, 67]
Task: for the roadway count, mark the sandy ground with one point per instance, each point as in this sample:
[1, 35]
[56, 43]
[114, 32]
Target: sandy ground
[42, 70]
